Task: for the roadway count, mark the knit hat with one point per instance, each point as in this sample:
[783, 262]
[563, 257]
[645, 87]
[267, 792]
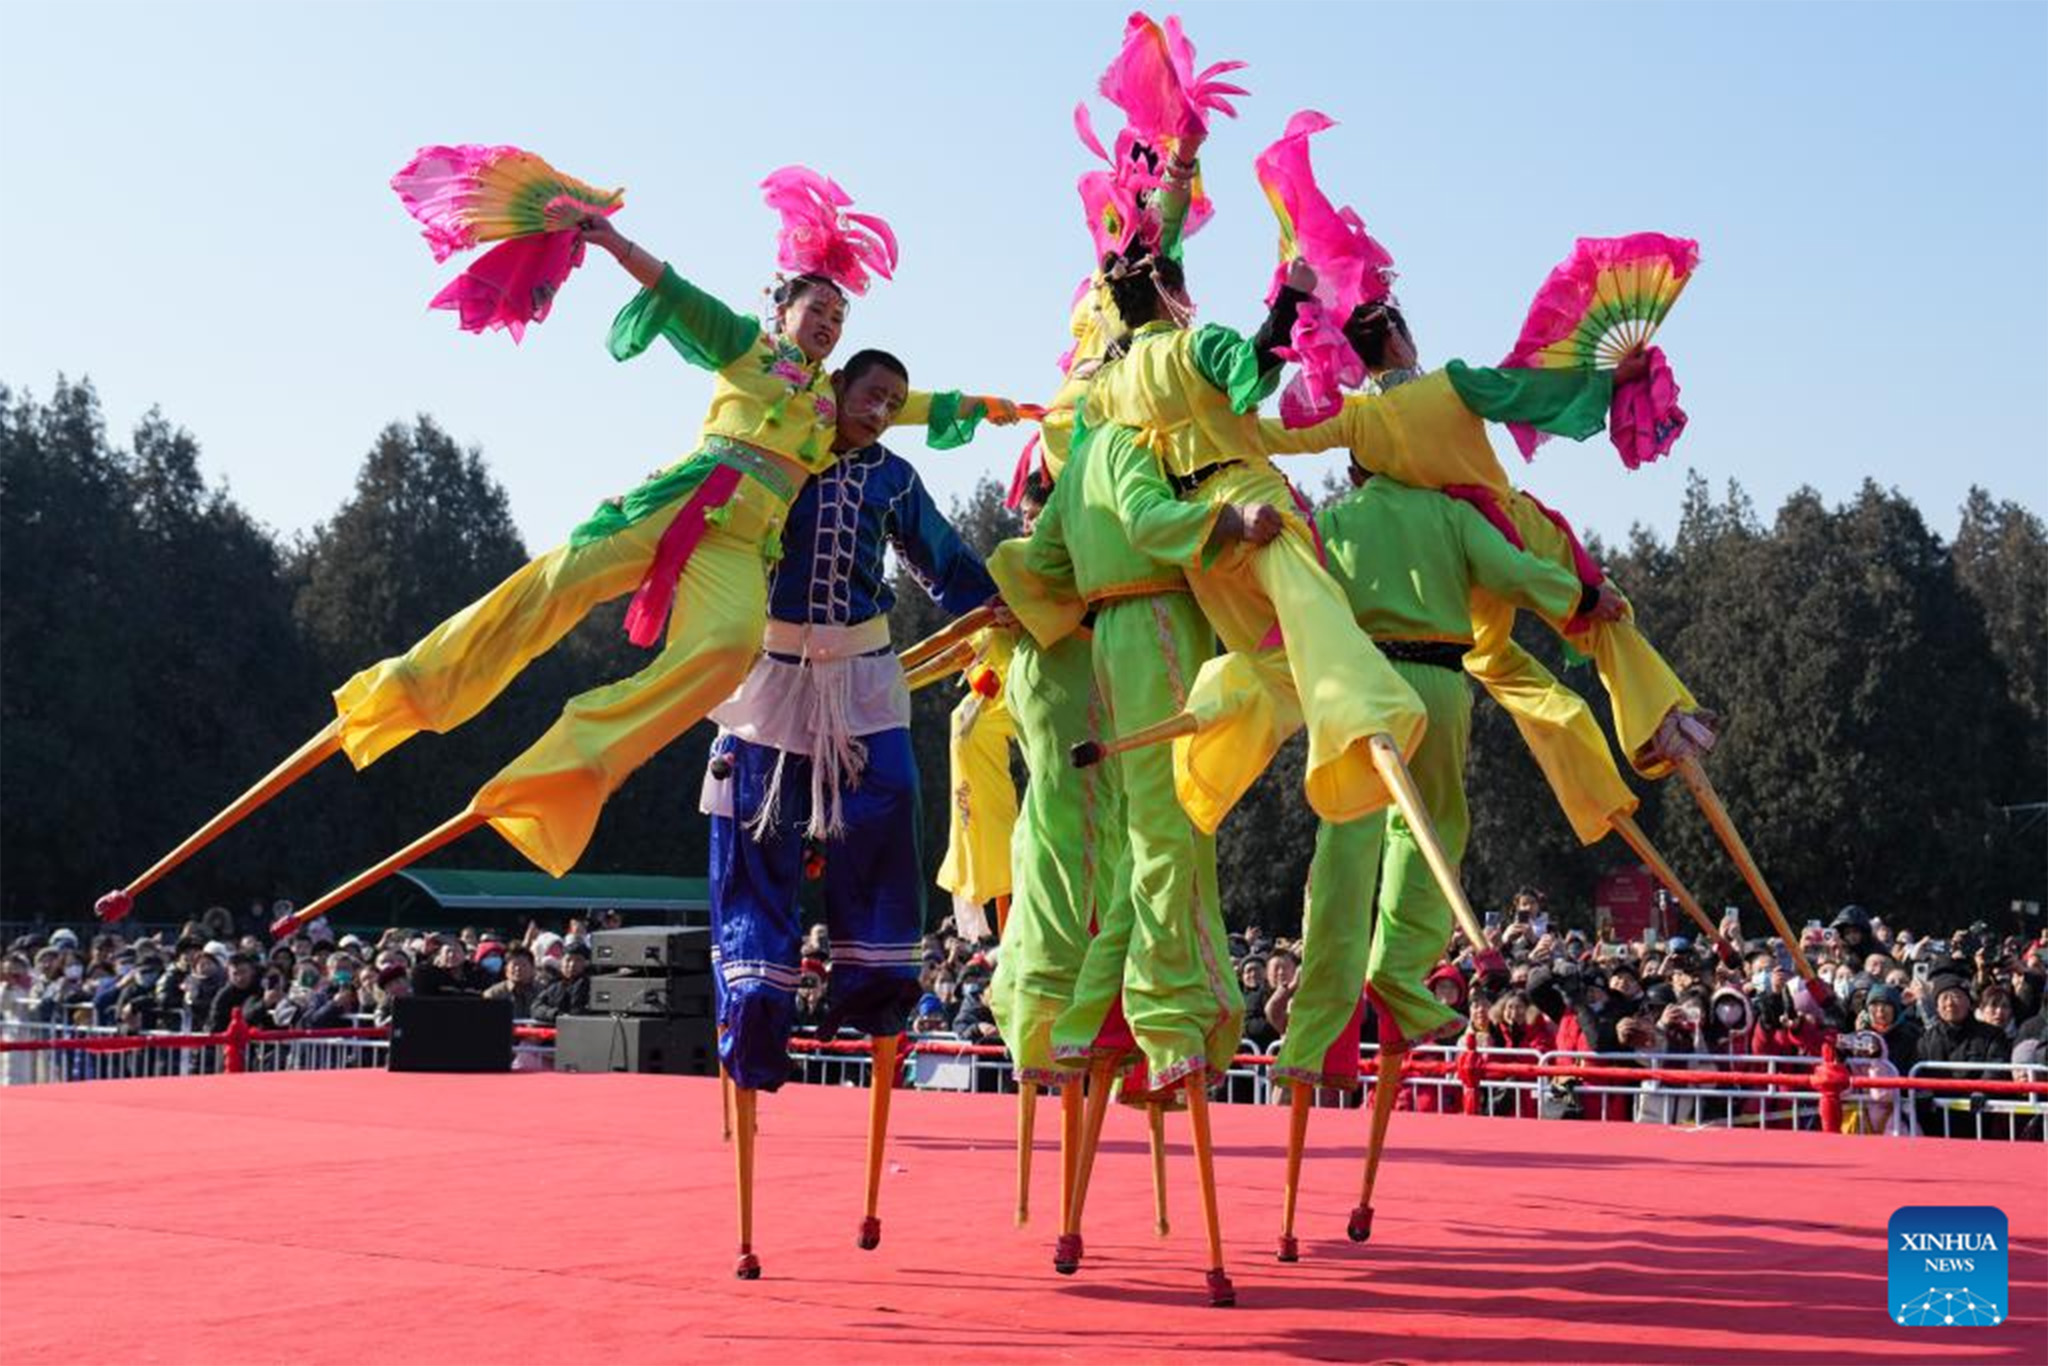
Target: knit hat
[1946, 982]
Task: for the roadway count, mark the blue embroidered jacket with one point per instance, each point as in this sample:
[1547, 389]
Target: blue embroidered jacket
[831, 571]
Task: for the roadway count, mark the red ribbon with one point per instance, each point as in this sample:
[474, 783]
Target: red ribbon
[657, 592]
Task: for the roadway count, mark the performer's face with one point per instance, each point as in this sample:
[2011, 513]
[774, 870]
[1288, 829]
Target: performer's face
[867, 406]
[1400, 351]
[814, 320]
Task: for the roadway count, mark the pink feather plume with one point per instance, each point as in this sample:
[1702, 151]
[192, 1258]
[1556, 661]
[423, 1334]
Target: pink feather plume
[1351, 269]
[819, 236]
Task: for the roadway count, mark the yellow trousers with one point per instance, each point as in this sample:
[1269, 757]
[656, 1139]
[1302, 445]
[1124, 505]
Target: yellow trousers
[546, 802]
[1641, 686]
[1555, 722]
[1325, 673]
[461, 665]
[982, 809]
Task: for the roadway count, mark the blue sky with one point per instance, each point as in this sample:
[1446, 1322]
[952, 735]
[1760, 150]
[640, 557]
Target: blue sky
[212, 230]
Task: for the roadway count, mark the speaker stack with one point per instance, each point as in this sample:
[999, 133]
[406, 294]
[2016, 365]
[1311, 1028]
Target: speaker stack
[650, 1006]
[451, 1034]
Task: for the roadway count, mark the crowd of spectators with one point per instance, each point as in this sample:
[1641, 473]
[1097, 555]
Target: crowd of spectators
[1893, 997]
[193, 980]
[1890, 996]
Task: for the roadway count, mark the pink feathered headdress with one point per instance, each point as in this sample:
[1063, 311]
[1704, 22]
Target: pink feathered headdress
[1153, 80]
[819, 237]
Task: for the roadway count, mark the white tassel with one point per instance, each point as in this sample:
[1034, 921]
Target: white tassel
[762, 823]
[838, 757]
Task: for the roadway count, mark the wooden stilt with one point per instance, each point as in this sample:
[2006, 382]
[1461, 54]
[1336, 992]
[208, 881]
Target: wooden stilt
[749, 1266]
[952, 633]
[1386, 1085]
[1027, 1122]
[1070, 1142]
[1633, 836]
[939, 666]
[1155, 1123]
[301, 761]
[1299, 1098]
[1066, 1257]
[1709, 800]
[1222, 1294]
[1386, 757]
[881, 1085]
[1089, 753]
[447, 832]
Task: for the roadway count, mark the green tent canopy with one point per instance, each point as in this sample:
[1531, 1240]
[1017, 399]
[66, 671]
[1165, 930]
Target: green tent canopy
[431, 898]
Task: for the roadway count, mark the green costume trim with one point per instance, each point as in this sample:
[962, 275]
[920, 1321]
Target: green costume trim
[678, 482]
[1226, 359]
[703, 330]
[1571, 403]
[953, 420]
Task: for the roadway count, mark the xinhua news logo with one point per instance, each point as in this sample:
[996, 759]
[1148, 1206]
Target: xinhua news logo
[1948, 1266]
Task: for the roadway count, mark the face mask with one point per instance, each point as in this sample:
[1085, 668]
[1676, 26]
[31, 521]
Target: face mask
[74, 971]
[309, 979]
[344, 977]
[493, 963]
[1762, 980]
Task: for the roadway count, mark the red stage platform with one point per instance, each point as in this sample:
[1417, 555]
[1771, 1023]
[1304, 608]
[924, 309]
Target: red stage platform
[351, 1217]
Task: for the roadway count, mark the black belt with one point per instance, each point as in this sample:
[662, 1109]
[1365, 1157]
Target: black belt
[1184, 484]
[1441, 654]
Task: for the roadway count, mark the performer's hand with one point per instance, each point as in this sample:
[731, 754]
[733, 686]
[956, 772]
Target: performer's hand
[1634, 366]
[1611, 605]
[1261, 522]
[997, 412]
[1301, 276]
[597, 230]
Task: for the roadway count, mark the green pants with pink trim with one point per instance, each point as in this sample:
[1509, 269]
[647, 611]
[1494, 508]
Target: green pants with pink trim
[1066, 858]
[1180, 998]
[1355, 861]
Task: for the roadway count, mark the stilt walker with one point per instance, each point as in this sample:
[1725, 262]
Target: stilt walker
[1043, 958]
[1160, 953]
[815, 750]
[1408, 560]
[1067, 869]
[1430, 431]
[982, 821]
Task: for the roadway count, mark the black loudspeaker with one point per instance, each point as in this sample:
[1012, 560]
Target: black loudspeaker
[625, 993]
[451, 1034]
[636, 1043]
[662, 948]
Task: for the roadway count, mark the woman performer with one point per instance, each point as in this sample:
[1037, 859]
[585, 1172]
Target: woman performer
[982, 807]
[1430, 431]
[701, 532]
[1191, 396]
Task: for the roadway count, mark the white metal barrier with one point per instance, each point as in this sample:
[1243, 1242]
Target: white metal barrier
[1762, 1105]
[2009, 1116]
